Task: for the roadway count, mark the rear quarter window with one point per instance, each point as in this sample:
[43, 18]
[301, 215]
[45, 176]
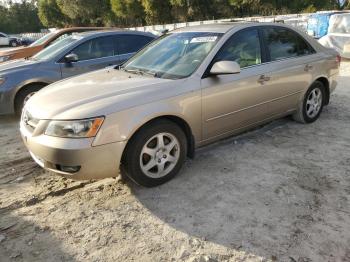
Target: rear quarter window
[284, 43]
[132, 43]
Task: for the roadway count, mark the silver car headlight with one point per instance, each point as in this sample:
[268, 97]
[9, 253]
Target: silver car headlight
[74, 129]
[4, 58]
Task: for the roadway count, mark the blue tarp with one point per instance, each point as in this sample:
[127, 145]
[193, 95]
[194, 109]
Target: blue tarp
[318, 24]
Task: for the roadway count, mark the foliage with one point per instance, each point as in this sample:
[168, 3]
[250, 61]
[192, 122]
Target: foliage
[24, 16]
[19, 17]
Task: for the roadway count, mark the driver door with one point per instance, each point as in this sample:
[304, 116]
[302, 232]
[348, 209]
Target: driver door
[92, 55]
[231, 102]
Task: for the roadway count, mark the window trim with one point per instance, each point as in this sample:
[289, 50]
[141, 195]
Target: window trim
[137, 35]
[61, 60]
[267, 50]
[264, 56]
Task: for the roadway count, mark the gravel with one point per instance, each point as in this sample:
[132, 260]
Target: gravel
[278, 193]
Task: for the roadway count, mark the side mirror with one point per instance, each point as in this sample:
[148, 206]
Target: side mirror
[71, 58]
[225, 68]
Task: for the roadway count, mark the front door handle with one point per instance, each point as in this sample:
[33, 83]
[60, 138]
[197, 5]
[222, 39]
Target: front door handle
[262, 79]
[308, 68]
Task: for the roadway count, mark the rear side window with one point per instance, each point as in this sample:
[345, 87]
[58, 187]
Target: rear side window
[96, 48]
[283, 43]
[132, 43]
[243, 47]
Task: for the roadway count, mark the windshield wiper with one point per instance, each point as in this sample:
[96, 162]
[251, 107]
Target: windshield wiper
[140, 71]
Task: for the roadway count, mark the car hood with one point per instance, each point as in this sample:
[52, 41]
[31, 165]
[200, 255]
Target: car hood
[21, 52]
[17, 66]
[99, 93]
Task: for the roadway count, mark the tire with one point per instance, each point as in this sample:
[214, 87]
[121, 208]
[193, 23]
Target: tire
[145, 153]
[13, 43]
[22, 96]
[305, 114]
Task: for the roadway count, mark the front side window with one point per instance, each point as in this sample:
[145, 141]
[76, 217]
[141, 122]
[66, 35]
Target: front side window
[132, 43]
[56, 48]
[96, 48]
[283, 43]
[243, 47]
[174, 56]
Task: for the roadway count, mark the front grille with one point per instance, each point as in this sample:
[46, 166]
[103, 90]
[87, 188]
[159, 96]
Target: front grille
[29, 121]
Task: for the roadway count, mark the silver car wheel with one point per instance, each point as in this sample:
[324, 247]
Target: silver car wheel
[28, 97]
[314, 103]
[160, 155]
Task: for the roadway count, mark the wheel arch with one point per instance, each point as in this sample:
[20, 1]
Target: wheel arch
[324, 80]
[181, 122]
[27, 85]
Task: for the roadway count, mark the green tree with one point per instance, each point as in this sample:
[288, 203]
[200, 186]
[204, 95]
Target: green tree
[86, 12]
[157, 11]
[128, 12]
[50, 14]
[19, 17]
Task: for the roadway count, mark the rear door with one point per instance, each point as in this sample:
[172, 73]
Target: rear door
[92, 55]
[291, 63]
[129, 44]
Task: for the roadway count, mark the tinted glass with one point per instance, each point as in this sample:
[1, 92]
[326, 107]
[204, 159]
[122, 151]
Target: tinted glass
[284, 43]
[1, 35]
[56, 48]
[96, 48]
[132, 43]
[243, 48]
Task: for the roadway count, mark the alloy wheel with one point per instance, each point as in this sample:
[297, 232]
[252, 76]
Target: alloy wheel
[314, 103]
[159, 155]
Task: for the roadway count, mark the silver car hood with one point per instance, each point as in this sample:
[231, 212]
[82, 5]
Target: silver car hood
[98, 93]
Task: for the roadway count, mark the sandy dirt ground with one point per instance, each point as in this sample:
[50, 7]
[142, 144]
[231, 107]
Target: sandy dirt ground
[278, 193]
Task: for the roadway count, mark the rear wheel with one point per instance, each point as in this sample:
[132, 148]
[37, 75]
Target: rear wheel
[13, 43]
[156, 153]
[23, 96]
[311, 107]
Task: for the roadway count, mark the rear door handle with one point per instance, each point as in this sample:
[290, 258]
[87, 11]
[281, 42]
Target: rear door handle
[262, 79]
[308, 68]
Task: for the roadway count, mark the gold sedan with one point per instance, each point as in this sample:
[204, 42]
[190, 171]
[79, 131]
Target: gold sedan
[191, 87]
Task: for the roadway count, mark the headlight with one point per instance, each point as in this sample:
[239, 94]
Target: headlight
[2, 80]
[4, 58]
[75, 128]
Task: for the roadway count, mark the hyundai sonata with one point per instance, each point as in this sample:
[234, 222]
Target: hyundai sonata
[186, 89]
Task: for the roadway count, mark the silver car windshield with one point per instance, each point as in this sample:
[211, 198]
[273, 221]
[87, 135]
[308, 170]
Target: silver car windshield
[54, 49]
[173, 56]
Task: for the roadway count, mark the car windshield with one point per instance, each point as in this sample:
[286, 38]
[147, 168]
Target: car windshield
[54, 49]
[43, 39]
[173, 56]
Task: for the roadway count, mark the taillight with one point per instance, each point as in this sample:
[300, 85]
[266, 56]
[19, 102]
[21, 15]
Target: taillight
[338, 59]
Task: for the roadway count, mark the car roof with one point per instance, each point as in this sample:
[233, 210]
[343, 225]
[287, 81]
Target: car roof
[226, 27]
[114, 32]
[214, 28]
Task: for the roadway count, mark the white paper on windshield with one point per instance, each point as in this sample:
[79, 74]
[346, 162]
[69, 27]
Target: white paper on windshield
[204, 39]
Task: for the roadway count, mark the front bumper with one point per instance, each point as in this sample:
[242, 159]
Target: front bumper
[94, 162]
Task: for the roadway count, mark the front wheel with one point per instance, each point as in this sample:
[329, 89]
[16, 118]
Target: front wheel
[13, 43]
[156, 153]
[311, 107]
[23, 96]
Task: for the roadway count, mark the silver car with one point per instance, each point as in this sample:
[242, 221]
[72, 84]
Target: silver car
[189, 88]
[72, 55]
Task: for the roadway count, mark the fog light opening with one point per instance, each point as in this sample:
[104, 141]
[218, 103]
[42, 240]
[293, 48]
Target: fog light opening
[68, 169]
